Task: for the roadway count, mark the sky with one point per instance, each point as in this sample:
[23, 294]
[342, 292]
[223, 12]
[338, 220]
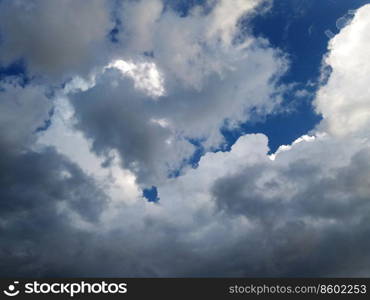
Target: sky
[172, 138]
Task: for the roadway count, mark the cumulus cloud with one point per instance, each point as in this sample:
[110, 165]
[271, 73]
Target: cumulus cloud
[146, 76]
[229, 75]
[188, 48]
[55, 38]
[115, 115]
[344, 101]
[239, 213]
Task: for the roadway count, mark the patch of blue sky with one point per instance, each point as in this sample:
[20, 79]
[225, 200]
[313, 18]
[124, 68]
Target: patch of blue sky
[47, 123]
[183, 6]
[17, 69]
[193, 160]
[198, 153]
[151, 194]
[113, 34]
[300, 29]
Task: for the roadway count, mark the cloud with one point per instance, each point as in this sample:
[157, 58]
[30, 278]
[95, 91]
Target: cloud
[43, 195]
[23, 109]
[344, 99]
[239, 213]
[308, 203]
[146, 76]
[196, 93]
[55, 38]
[189, 49]
[43, 210]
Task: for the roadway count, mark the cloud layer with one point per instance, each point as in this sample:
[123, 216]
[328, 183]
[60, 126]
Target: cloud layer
[71, 202]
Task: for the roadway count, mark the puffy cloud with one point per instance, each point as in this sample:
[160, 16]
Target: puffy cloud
[118, 183]
[227, 77]
[344, 100]
[140, 19]
[193, 85]
[55, 38]
[269, 218]
[222, 22]
[313, 198]
[146, 76]
[239, 213]
[309, 202]
[124, 122]
[189, 48]
[116, 116]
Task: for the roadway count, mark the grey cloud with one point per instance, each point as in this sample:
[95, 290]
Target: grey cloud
[240, 194]
[55, 38]
[22, 110]
[121, 118]
[311, 232]
[286, 237]
[192, 48]
[36, 236]
[221, 81]
[37, 188]
[117, 116]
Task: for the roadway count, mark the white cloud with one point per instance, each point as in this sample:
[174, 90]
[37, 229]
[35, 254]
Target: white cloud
[304, 138]
[146, 76]
[222, 22]
[344, 100]
[200, 78]
[190, 48]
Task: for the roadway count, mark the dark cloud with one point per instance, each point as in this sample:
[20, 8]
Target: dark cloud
[35, 188]
[55, 38]
[288, 236]
[38, 190]
[312, 231]
[22, 110]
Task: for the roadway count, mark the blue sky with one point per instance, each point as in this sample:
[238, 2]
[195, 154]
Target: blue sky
[298, 28]
[174, 138]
